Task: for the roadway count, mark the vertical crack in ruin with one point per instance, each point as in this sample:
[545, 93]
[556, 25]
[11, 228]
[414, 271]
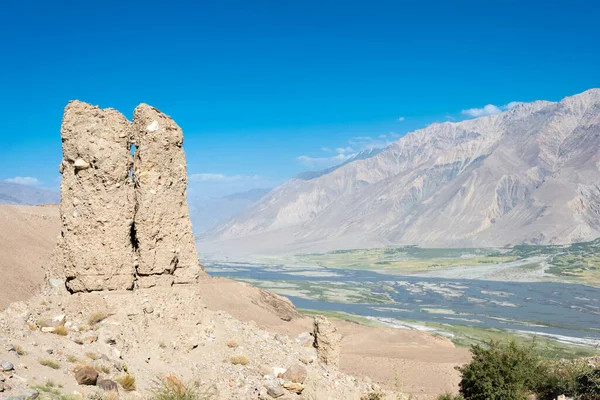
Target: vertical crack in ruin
[140, 176]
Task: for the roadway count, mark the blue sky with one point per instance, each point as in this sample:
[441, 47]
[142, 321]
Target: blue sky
[266, 89]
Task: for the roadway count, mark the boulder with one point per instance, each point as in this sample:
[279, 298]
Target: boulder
[274, 389]
[6, 366]
[296, 374]
[86, 375]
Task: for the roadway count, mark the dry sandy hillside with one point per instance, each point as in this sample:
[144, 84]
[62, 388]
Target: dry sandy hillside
[27, 238]
[423, 365]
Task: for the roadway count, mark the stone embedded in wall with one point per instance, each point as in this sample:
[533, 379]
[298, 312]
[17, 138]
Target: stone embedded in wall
[163, 231]
[97, 204]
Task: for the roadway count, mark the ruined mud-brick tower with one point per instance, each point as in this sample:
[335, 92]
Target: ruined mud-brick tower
[125, 221]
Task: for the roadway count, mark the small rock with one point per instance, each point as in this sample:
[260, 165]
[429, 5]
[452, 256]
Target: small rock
[13, 353]
[305, 339]
[89, 337]
[274, 389]
[50, 351]
[56, 283]
[148, 309]
[107, 385]
[296, 374]
[81, 164]
[86, 375]
[294, 387]
[265, 370]
[60, 319]
[7, 366]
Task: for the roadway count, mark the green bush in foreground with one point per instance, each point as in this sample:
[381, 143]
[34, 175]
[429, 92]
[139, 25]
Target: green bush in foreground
[501, 372]
[508, 371]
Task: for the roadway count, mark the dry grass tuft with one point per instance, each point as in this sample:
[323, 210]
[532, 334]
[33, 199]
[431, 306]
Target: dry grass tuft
[171, 388]
[104, 369]
[239, 360]
[127, 382]
[97, 317]
[61, 331]
[19, 350]
[92, 355]
[72, 359]
[50, 364]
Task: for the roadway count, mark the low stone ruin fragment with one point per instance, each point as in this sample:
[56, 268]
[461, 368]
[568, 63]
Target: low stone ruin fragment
[328, 341]
[125, 221]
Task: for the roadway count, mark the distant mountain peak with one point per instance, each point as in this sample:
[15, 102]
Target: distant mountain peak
[527, 175]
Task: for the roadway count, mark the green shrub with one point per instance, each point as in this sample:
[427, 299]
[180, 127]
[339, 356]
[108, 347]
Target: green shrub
[501, 371]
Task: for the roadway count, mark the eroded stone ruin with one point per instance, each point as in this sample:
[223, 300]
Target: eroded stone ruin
[125, 221]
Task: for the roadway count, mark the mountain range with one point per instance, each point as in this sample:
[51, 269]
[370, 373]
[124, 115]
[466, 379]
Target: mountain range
[530, 175]
[16, 194]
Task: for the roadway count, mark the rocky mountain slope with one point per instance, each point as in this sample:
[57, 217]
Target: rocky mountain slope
[528, 175]
[13, 193]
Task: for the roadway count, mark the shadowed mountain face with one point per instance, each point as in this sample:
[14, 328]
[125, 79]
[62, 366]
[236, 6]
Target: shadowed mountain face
[13, 193]
[528, 175]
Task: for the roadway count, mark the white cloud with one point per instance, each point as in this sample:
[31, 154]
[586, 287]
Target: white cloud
[344, 150]
[221, 178]
[324, 162]
[24, 180]
[356, 145]
[401, 119]
[490, 109]
[368, 143]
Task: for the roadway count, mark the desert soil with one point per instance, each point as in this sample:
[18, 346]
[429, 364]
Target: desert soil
[413, 362]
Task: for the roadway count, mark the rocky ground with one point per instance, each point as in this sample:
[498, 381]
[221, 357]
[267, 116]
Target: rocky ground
[78, 344]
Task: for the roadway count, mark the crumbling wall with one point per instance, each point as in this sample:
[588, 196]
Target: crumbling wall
[125, 224]
[166, 248]
[97, 203]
